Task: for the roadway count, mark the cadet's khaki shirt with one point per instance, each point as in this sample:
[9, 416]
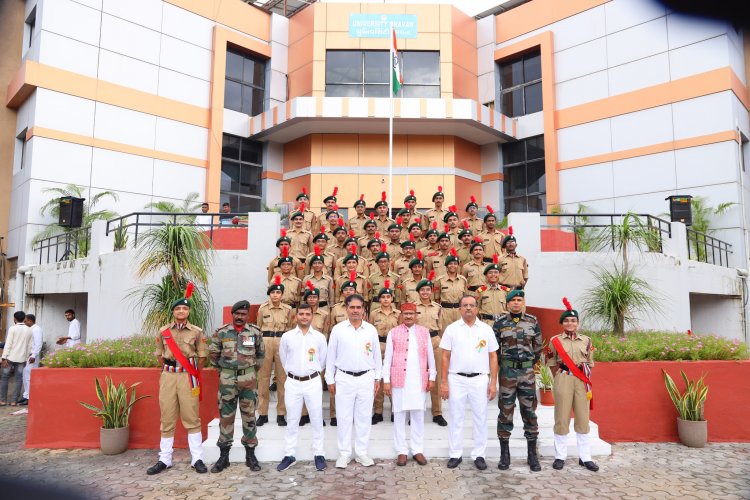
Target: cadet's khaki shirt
[435, 261]
[464, 255]
[324, 284]
[383, 225]
[189, 339]
[376, 283]
[491, 242]
[292, 286]
[476, 225]
[320, 321]
[338, 314]
[393, 249]
[580, 350]
[357, 224]
[273, 268]
[401, 266]
[409, 290]
[274, 318]
[492, 301]
[449, 290]
[429, 316]
[311, 223]
[328, 261]
[301, 243]
[337, 251]
[383, 322]
[514, 270]
[433, 215]
[361, 286]
[474, 274]
[363, 268]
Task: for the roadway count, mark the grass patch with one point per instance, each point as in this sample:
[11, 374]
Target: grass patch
[137, 351]
[665, 346]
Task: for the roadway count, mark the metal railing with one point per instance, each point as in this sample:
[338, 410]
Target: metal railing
[705, 248]
[597, 231]
[70, 245]
[137, 223]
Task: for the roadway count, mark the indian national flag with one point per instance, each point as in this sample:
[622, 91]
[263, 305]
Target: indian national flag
[396, 76]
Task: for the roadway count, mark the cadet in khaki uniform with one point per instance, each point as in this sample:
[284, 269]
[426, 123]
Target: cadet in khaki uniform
[520, 341]
[435, 261]
[393, 243]
[429, 316]
[401, 264]
[236, 349]
[476, 225]
[384, 318]
[351, 274]
[374, 247]
[412, 215]
[369, 231]
[331, 219]
[492, 238]
[409, 284]
[377, 279]
[415, 235]
[452, 227]
[301, 241]
[572, 389]
[514, 270]
[463, 248]
[357, 223]
[338, 249]
[178, 345]
[320, 244]
[292, 283]
[431, 236]
[282, 244]
[473, 270]
[436, 214]
[312, 223]
[450, 287]
[311, 297]
[321, 281]
[492, 295]
[274, 318]
[330, 202]
[381, 215]
[341, 269]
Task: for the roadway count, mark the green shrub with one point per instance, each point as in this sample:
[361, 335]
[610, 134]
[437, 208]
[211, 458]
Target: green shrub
[665, 346]
[137, 351]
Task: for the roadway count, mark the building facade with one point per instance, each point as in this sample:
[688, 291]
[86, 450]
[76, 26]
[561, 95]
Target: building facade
[547, 105]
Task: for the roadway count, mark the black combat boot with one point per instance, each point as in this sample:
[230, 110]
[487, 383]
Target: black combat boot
[250, 459]
[223, 461]
[533, 460]
[504, 454]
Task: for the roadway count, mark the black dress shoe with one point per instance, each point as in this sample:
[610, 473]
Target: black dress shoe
[281, 421]
[453, 462]
[157, 468]
[304, 419]
[377, 417]
[200, 467]
[23, 402]
[558, 464]
[272, 387]
[391, 417]
[589, 465]
[479, 463]
[438, 419]
[261, 420]
[333, 422]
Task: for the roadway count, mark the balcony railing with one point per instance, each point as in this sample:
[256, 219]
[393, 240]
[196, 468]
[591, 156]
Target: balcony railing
[705, 248]
[137, 223]
[70, 245]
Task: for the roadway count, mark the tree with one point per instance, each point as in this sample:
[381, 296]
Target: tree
[189, 204]
[702, 218]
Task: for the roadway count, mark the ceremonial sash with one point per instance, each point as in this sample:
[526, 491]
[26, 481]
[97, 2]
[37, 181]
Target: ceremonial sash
[192, 368]
[574, 370]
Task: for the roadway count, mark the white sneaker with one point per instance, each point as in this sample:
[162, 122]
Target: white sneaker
[342, 462]
[365, 460]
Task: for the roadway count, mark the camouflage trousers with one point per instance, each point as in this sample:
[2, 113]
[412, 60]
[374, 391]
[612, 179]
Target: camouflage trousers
[234, 388]
[517, 383]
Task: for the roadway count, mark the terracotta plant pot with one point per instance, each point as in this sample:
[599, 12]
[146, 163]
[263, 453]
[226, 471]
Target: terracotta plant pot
[693, 433]
[546, 398]
[114, 441]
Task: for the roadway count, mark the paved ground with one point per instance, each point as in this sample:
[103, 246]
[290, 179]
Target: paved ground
[633, 471]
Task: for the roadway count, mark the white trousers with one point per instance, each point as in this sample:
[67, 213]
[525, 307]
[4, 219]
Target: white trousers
[474, 390]
[583, 441]
[416, 435]
[27, 377]
[354, 397]
[311, 393]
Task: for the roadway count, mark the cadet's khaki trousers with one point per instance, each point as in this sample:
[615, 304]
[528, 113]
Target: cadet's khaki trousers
[176, 399]
[435, 401]
[377, 407]
[570, 393]
[448, 316]
[272, 359]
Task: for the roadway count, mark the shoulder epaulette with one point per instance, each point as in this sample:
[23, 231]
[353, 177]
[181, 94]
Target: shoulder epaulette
[531, 316]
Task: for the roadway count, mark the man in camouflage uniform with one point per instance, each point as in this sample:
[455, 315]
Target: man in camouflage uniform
[235, 350]
[520, 341]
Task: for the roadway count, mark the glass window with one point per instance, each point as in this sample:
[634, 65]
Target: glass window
[524, 181]
[241, 170]
[421, 68]
[343, 66]
[521, 82]
[245, 83]
[376, 67]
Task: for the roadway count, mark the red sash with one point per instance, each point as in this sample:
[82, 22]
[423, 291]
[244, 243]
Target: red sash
[574, 370]
[192, 370]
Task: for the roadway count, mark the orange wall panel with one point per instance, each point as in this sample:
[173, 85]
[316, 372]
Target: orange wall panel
[293, 187]
[464, 27]
[464, 54]
[373, 150]
[340, 150]
[425, 151]
[467, 156]
[233, 13]
[298, 153]
[465, 189]
[301, 53]
[300, 82]
[300, 25]
[465, 84]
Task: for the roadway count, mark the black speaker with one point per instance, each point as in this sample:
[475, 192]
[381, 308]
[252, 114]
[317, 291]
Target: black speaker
[71, 211]
[680, 209]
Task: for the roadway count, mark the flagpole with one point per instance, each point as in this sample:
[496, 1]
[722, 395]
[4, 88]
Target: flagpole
[390, 127]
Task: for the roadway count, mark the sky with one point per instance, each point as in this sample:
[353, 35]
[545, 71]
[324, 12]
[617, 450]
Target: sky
[470, 7]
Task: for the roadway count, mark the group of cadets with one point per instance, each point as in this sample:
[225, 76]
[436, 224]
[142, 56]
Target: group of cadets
[430, 259]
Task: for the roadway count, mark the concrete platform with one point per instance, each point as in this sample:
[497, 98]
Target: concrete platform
[271, 437]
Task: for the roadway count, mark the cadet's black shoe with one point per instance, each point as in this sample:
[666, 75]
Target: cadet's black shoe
[223, 461]
[453, 462]
[377, 417]
[157, 468]
[325, 386]
[272, 387]
[304, 419]
[23, 402]
[532, 459]
[333, 422]
[438, 419]
[504, 455]
[281, 421]
[200, 467]
[391, 417]
[250, 459]
[263, 419]
[558, 464]
[589, 465]
[479, 463]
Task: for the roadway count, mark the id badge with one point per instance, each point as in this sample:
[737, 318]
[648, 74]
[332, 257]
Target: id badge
[249, 342]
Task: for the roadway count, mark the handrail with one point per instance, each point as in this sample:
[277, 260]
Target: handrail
[69, 245]
[705, 248]
[208, 220]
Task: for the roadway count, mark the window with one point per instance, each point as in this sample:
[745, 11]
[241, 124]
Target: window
[521, 85]
[245, 82]
[524, 186]
[30, 24]
[241, 168]
[366, 73]
[21, 148]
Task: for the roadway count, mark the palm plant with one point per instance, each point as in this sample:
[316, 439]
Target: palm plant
[181, 254]
[189, 204]
[702, 216]
[630, 233]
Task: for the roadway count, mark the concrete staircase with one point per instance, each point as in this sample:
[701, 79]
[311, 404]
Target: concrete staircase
[271, 437]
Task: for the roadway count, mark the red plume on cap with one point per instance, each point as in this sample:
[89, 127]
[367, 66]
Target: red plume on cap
[302, 207]
[489, 209]
[446, 228]
[372, 215]
[566, 302]
[335, 207]
[434, 225]
[353, 276]
[510, 230]
[411, 237]
[353, 248]
[417, 220]
[322, 229]
[351, 233]
[304, 190]
[189, 290]
[316, 249]
[362, 197]
[283, 233]
[285, 252]
[419, 254]
[431, 276]
[335, 190]
[341, 222]
[473, 199]
[411, 192]
[377, 235]
[309, 285]
[466, 224]
[399, 220]
[277, 280]
[495, 258]
[477, 239]
[387, 284]
[382, 196]
[453, 252]
[440, 189]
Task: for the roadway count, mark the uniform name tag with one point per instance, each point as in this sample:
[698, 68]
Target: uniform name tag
[249, 342]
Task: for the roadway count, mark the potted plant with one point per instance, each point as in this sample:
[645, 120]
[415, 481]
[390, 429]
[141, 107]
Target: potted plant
[115, 413]
[692, 427]
[544, 382]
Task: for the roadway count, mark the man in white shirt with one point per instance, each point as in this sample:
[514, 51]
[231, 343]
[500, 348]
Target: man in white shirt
[303, 355]
[353, 369]
[37, 338]
[74, 330]
[469, 356]
[408, 376]
[15, 353]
